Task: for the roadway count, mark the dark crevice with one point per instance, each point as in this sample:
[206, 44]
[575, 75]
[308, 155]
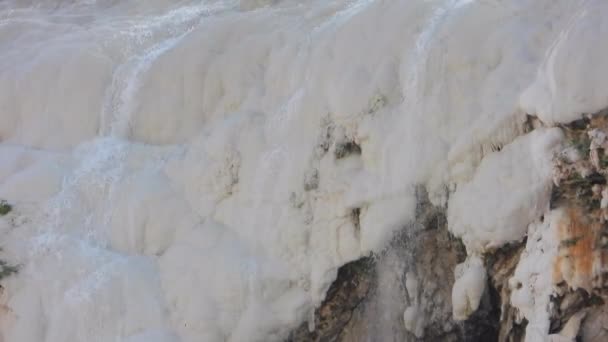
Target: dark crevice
[346, 148]
[484, 324]
[355, 217]
[496, 147]
[501, 265]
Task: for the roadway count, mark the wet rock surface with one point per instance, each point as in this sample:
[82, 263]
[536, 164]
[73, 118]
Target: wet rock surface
[414, 274]
[349, 290]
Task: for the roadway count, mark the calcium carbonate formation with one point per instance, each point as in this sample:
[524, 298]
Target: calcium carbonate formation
[187, 171]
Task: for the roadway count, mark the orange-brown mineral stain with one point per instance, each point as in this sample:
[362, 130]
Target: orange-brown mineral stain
[578, 232]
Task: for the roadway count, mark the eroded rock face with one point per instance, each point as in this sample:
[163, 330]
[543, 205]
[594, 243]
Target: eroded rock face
[350, 289]
[581, 264]
[550, 286]
[405, 290]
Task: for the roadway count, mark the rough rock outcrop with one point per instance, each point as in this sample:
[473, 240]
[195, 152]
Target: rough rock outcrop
[406, 289]
[416, 273]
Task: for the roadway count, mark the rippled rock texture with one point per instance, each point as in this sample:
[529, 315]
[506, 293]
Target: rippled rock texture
[203, 170]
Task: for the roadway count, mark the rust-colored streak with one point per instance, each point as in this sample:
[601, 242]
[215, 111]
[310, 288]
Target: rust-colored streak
[577, 233]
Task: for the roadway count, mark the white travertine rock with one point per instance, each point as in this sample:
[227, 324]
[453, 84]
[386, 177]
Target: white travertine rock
[510, 189]
[571, 77]
[199, 170]
[468, 288]
[532, 282]
[413, 317]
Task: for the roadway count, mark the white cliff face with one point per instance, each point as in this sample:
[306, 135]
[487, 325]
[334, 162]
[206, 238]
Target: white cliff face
[569, 82]
[509, 189]
[198, 170]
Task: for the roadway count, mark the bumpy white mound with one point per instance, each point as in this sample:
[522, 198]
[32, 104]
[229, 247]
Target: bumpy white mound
[198, 170]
